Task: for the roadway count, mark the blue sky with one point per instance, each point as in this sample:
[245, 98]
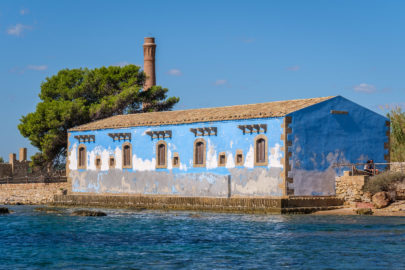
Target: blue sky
[210, 53]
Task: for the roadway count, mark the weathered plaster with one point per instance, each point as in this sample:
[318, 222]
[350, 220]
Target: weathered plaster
[321, 139]
[185, 180]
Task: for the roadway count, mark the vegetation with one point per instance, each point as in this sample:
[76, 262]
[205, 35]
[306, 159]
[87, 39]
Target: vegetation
[386, 181]
[79, 96]
[1, 160]
[397, 118]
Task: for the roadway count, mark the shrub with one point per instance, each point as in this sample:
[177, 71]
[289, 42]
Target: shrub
[386, 181]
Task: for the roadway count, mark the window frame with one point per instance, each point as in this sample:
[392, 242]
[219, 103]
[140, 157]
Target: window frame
[127, 166]
[219, 159]
[84, 166]
[98, 167]
[176, 155]
[158, 144]
[109, 162]
[266, 150]
[196, 141]
[239, 152]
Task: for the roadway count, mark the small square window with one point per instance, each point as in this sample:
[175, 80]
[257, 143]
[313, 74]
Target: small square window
[176, 160]
[239, 158]
[98, 162]
[112, 162]
[222, 159]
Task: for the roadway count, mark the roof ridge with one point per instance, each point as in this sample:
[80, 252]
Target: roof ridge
[232, 112]
[229, 106]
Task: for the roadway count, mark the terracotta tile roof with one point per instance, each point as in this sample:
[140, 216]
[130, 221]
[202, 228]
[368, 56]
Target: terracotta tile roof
[249, 111]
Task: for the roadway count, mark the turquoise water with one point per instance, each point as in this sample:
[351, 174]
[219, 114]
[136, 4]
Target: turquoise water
[185, 240]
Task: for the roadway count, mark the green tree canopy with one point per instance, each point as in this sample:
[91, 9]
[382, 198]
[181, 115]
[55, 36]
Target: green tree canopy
[1, 160]
[78, 96]
[397, 139]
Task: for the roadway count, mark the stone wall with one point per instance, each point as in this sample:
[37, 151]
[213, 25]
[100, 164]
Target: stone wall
[235, 205]
[397, 167]
[5, 170]
[350, 187]
[35, 193]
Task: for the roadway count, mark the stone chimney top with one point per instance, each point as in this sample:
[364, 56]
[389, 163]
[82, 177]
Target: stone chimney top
[23, 154]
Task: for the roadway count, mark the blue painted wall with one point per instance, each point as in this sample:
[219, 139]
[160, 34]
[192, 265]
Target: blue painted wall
[320, 139]
[144, 178]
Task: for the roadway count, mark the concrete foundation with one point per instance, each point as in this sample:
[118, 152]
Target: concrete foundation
[292, 205]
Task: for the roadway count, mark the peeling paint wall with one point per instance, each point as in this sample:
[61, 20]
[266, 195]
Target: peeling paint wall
[320, 139]
[185, 180]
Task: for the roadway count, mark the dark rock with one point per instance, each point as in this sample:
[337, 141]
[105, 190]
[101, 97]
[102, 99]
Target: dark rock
[364, 211]
[4, 210]
[88, 213]
[381, 199]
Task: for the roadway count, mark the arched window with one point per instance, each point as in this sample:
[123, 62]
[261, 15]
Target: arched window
[161, 155]
[82, 157]
[199, 153]
[126, 155]
[261, 158]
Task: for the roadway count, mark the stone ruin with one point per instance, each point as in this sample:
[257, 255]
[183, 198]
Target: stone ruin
[14, 167]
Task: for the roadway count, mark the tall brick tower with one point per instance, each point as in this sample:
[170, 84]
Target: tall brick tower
[149, 49]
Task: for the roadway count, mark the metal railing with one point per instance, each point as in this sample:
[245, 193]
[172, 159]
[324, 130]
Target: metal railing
[358, 168]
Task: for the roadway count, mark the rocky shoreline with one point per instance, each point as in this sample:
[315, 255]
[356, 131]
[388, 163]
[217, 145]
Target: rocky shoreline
[395, 209]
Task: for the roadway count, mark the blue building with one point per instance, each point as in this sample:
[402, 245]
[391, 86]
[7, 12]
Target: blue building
[271, 149]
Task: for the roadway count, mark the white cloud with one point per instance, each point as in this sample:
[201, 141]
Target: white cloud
[365, 88]
[122, 64]
[18, 29]
[220, 82]
[24, 11]
[294, 68]
[37, 68]
[175, 72]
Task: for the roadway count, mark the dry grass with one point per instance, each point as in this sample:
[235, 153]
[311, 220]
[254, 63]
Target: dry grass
[386, 181]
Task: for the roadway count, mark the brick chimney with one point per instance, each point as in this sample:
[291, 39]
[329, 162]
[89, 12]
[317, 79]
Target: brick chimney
[149, 49]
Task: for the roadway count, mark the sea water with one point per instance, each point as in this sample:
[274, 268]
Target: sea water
[189, 240]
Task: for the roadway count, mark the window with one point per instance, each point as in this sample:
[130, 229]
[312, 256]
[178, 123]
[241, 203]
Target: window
[222, 159]
[126, 155]
[82, 157]
[239, 158]
[199, 153]
[176, 160]
[98, 162]
[161, 155]
[261, 158]
[112, 162]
